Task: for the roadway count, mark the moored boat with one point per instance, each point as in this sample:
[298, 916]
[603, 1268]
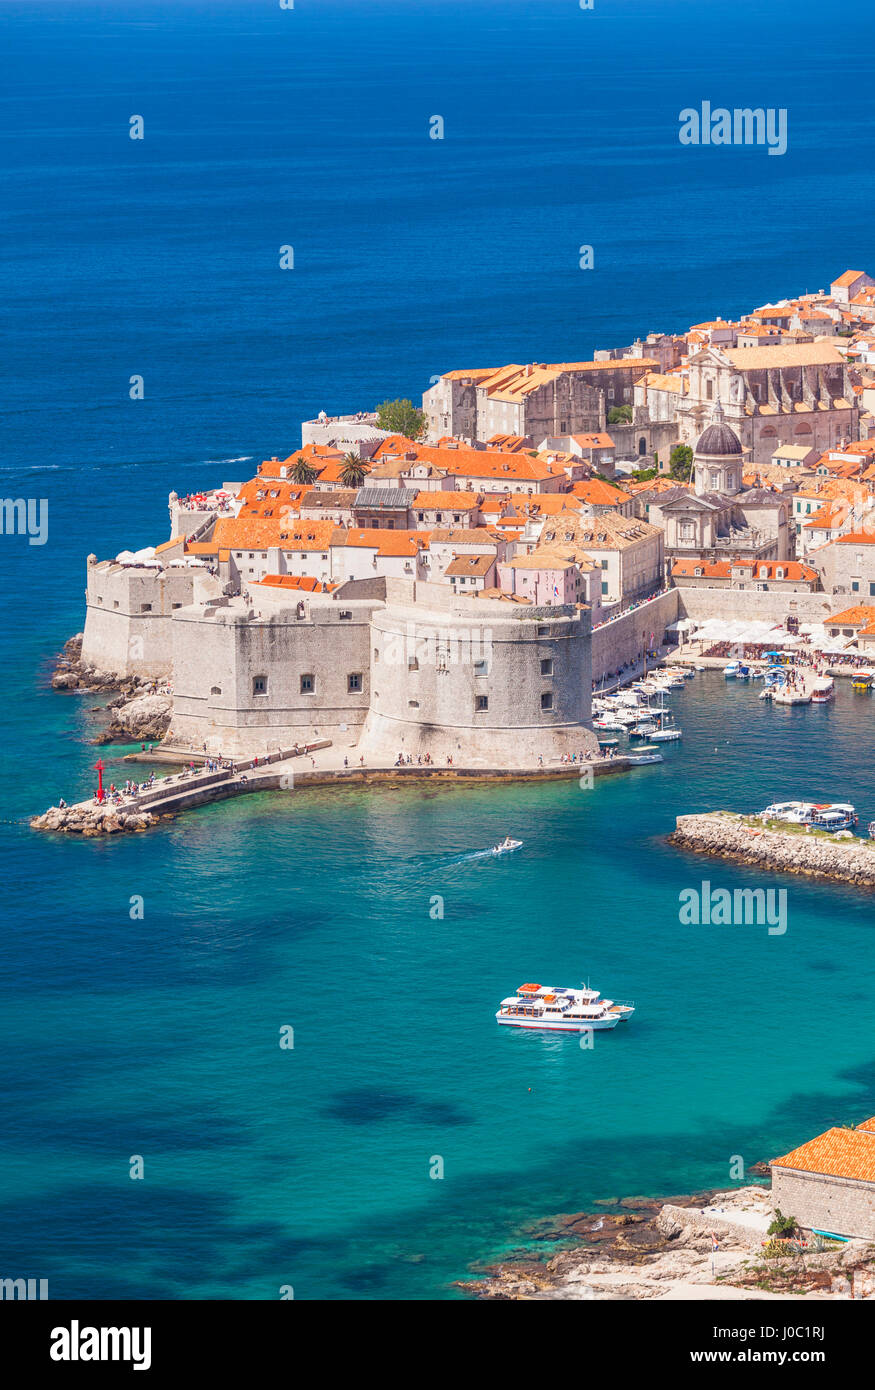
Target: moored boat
[822, 690]
[646, 753]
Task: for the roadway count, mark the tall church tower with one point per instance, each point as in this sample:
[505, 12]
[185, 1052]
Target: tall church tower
[718, 458]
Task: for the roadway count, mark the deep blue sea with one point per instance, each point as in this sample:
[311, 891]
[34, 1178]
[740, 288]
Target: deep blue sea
[159, 1037]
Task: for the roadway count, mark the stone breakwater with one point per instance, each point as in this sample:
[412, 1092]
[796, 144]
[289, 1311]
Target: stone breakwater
[728, 836]
[89, 821]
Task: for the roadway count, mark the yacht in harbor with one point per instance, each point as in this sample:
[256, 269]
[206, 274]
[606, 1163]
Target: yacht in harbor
[561, 1010]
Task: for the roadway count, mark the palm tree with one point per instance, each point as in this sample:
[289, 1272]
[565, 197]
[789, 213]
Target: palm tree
[302, 471]
[354, 471]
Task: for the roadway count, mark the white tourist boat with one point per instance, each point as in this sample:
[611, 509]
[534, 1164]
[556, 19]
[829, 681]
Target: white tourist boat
[561, 1010]
[822, 690]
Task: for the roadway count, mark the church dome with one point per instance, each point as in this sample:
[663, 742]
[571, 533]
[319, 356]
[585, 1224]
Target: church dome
[718, 440]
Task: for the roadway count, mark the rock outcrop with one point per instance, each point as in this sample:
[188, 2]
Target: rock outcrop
[89, 821]
[670, 1255]
[145, 718]
[729, 836]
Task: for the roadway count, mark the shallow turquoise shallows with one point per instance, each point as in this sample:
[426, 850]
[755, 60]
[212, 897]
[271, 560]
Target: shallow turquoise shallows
[310, 1166]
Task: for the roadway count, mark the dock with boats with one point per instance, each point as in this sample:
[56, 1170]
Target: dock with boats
[780, 844]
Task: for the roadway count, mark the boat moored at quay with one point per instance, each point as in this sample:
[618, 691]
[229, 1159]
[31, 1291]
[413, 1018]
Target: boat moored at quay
[561, 1010]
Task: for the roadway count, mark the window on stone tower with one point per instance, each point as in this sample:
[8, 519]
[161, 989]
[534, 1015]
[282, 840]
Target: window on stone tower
[709, 390]
[259, 685]
[308, 684]
[547, 700]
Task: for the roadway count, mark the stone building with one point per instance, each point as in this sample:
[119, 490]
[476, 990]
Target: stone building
[536, 400]
[800, 393]
[719, 520]
[828, 1184]
[628, 552]
[847, 565]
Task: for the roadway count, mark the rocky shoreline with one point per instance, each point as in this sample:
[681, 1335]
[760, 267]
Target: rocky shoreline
[726, 835]
[642, 1248]
[138, 714]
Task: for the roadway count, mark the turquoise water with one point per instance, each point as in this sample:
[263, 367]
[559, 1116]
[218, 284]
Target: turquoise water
[310, 1166]
[159, 1036]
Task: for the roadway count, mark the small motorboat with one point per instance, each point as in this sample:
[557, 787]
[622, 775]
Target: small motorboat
[863, 680]
[646, 753]
[730, 670]
[645, 729]
[664, 735]
[507, 845]
[823, 690]
[609, 743]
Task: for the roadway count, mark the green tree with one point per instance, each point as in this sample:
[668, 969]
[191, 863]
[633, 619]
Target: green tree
[401, 417]
[302, 471]
[353, 470]
[680, 462]
[620, 415]
[782, 1225]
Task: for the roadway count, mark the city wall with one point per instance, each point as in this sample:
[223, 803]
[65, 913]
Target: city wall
[751, 605]
[244, 683]
[625, 639]
[128, 615]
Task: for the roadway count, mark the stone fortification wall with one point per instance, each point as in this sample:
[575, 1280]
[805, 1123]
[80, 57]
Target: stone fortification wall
[486, 683]
[128, 616]
[243, 683]
[625, 639]
[750, 605]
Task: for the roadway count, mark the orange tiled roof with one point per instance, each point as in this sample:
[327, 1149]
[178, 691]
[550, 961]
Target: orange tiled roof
[600, 494]
[839, 1153]
[857, 616]
[848, 278]
[260, 533]
[722, 569]
[468, 463]
[296, 581]
[401, 543]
